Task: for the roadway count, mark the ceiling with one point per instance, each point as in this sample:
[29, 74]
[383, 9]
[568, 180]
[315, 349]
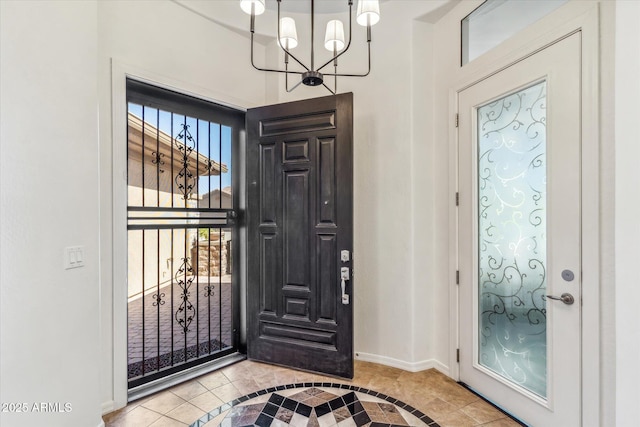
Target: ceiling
[227, 13]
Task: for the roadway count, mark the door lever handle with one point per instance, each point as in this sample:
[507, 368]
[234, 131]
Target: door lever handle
[565, 298]
[344, 276]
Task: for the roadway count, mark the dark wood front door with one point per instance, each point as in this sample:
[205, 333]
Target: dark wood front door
[300, 223]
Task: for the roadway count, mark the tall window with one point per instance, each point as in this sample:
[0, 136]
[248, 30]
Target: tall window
[182, 297]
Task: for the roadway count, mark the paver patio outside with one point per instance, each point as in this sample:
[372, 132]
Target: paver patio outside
[161, 336]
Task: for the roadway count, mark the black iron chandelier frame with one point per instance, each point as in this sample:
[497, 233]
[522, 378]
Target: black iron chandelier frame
[312, 76]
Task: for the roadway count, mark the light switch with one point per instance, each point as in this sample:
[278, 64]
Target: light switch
[73, 257]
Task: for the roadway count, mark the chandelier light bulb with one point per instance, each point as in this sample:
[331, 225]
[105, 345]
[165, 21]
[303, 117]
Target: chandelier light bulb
[368, 12]
[334, 36]
[288, 33]
[245, 5]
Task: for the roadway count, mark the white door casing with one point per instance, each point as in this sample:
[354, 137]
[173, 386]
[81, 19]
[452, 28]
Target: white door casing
[559, 66]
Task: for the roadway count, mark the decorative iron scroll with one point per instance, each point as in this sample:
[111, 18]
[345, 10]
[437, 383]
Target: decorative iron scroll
[208, 291]
[512, 237]
[156, 159]
[157, 299]
[185, 179]
[184, 279]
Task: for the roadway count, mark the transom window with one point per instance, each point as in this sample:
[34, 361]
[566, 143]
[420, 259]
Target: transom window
[495, 21]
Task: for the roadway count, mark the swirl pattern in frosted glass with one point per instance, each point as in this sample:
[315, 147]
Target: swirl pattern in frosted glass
[512, 237]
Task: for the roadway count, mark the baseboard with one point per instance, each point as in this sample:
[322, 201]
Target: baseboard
[109, 406]
[442, 368]
[404, 365]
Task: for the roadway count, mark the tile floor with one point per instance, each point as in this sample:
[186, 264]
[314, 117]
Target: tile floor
[429, 391]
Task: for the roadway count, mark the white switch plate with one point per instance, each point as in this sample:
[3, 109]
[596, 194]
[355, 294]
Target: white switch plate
[73, 257]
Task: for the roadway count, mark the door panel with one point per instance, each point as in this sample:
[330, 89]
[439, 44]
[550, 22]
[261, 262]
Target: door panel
[519, 232]
[299, 169]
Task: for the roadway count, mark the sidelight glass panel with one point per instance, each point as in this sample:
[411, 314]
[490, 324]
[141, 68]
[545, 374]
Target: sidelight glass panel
[512, 237]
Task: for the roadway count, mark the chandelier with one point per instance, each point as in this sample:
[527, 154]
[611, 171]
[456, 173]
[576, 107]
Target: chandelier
[368, 14]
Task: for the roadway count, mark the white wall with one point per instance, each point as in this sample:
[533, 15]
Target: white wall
[49, 170]
[627, 212]
[425, 253]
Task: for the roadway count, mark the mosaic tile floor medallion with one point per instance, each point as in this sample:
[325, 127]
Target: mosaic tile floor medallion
[315, 405]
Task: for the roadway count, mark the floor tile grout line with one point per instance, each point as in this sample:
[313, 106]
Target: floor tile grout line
[153, 410]
[178, 419]
[184, 401]
[156, 412]
[477, 420]
[498, 408]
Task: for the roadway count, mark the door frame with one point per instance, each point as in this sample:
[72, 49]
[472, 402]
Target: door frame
[113, 228]
[571, 18]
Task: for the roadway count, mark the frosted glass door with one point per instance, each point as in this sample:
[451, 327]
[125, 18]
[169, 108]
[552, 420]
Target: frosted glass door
[512, 238]
[518, 232]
